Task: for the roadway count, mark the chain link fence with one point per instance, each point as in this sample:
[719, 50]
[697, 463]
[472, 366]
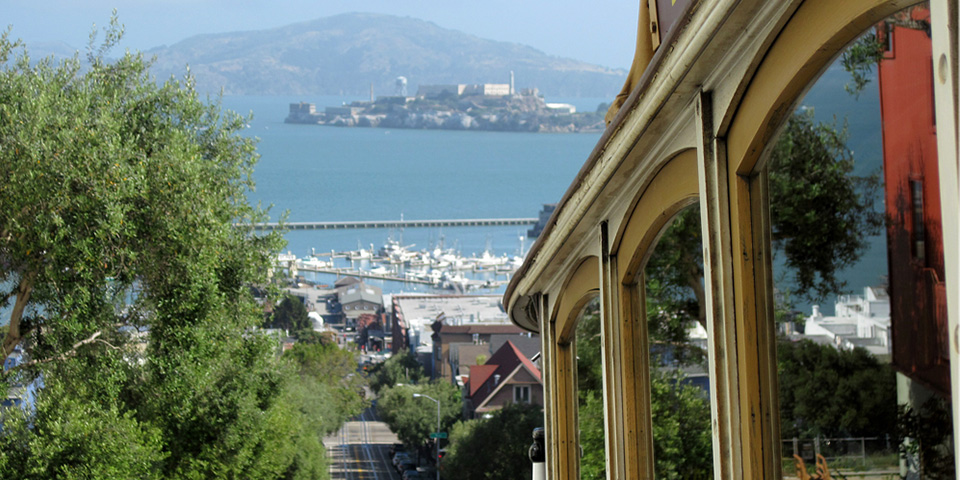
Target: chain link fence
[856, 453]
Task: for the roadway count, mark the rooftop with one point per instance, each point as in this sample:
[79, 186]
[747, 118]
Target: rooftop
[458, 309]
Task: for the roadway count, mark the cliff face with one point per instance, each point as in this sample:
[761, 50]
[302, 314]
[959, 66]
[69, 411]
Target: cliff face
[346, 54]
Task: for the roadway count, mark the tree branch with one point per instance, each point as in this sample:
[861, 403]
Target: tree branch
[23, 297]
[67, 354]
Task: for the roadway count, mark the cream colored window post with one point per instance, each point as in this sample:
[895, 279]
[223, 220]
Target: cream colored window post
[742, 356]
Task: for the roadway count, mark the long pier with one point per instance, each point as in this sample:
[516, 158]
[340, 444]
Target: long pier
[479, 222]
[352, 272]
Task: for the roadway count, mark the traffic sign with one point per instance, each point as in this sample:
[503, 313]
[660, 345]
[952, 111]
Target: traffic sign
[438, 435]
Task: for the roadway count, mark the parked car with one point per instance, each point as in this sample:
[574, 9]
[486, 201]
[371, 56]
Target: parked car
[412, 475]
[400, 457]
[406, 465]
[396, 447]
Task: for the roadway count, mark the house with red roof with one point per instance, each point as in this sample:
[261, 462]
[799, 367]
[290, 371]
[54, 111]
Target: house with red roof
[446, 335]
[507, 377]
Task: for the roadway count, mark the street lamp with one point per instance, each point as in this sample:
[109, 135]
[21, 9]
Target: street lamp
[437, 440]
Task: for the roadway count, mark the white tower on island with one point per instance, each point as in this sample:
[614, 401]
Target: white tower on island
[512, 90]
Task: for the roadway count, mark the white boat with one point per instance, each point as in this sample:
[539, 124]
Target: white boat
[313, 263]
[379, 270]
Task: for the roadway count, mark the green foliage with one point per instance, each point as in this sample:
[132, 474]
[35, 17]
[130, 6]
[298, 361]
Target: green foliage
[681, 413]
[681, 427]
[830, 392]
[119, 201]
[674, 289]
[589, 353]
[330, 373]
[504, 439]
[859, 59]
[924, 435]
[821, 213]
[413, 419]
[314, 417]
[402, 367]
[291, 315]
[590, 392]
[821, 216]
[56, 442]
[314, 337]
[590, 412]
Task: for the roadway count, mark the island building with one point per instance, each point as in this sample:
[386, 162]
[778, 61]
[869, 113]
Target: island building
[561, 108]
[343, 110]
[464, 90]
[303, 112]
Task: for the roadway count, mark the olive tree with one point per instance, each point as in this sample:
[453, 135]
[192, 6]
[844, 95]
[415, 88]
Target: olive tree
[126, 281]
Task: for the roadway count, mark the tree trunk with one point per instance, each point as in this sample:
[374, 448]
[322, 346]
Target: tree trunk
[23, 297]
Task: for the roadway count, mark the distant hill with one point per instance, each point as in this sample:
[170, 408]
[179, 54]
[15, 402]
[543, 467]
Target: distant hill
[345, 54]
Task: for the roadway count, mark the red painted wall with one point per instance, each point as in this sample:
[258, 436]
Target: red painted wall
[914, 235]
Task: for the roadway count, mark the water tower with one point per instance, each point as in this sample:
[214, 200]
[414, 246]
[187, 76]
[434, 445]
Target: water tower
[401, 86]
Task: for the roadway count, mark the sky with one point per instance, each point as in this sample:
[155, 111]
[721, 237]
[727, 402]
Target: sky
[602, 32]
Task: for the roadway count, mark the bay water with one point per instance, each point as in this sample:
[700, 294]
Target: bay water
[321, 173]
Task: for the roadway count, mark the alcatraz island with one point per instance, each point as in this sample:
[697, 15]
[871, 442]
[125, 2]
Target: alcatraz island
[490, 107]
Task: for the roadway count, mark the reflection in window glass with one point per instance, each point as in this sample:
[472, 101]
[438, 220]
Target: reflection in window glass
[676, 321]
[590, 392]
[841, 304]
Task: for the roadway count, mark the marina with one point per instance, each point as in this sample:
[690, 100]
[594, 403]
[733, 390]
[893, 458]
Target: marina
[437, 267]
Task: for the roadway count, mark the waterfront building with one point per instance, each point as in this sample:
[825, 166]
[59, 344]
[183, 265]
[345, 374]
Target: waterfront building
[358, 299]
[413, 319]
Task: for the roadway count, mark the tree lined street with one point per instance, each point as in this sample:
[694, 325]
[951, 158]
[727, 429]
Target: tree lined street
[360, 450]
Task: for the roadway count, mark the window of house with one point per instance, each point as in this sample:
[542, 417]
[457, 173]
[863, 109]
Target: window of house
[521, 394]
[887, 39]
[916, 200]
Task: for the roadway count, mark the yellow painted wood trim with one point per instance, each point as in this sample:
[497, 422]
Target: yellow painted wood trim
[581, 286]
[673, 188]
[568, 426]
[635, 356]
[756, 357]
[612, 367]
[816, 33]
[719, 283]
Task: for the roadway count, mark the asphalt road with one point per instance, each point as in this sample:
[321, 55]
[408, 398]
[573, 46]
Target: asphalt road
[361, 450]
